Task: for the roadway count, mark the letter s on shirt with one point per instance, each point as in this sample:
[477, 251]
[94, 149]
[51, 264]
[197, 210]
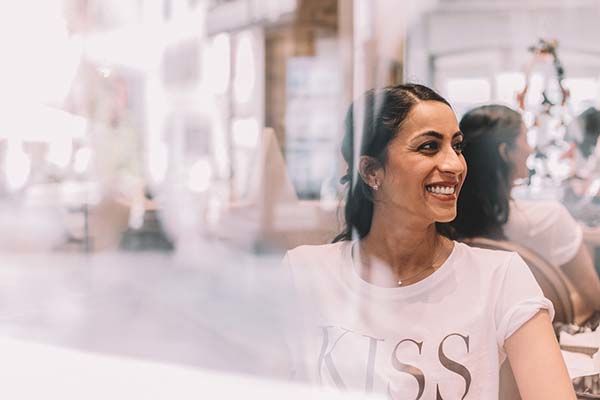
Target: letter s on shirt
[409, 369]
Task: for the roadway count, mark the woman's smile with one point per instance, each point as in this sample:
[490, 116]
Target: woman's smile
[444, 191]
[425, 167]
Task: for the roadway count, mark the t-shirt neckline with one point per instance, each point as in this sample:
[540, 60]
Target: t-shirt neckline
[351, 278]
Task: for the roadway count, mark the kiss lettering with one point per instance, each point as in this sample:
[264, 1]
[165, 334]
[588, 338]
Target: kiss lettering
[409, 369]
[453, 366]
[325, 357]
[333, 335]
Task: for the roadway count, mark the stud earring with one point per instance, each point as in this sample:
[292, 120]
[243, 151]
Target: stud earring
[375, 187]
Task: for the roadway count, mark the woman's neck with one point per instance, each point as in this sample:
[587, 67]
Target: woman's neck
[404, 246]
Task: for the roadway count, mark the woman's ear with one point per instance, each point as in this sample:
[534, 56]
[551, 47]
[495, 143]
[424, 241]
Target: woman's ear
[503, 151]
[371, 171]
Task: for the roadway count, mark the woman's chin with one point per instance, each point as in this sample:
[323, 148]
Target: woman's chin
[444, 217]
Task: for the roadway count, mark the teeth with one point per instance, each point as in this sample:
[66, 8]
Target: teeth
[441, 189]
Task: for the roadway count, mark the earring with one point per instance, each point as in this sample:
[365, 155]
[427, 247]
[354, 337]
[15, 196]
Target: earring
[375, 186]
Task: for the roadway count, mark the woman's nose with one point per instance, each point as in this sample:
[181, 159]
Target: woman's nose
[452, 162]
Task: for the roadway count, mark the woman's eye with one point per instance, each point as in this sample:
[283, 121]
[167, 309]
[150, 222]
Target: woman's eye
[429, 147]
[458, 147]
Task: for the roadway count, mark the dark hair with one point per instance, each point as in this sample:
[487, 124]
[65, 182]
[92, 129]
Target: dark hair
[589, 121]
[372, 121]
[483, 204]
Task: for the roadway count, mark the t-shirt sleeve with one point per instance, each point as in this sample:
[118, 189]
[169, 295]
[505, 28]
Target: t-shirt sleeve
[567, 237]
[519, 299]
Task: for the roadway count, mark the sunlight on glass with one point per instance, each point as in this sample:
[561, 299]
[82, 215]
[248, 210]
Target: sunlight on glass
[60, 150]
[245, 132]
[199, 176]
[39, 60]
[158, 161]
[17, 165]
[82, 160]
[245, 65]
[217, 64]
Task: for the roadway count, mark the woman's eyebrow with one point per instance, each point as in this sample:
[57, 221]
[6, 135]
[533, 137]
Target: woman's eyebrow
[436, 135]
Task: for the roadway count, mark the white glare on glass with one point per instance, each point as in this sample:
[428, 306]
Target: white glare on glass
[138, 47]
[32, 122]
[217, 64]
[245, 132]
[83, 157]
[60, 149]
[468, 90]
[118, 377]
[179, 8]
[158, 161]
[17, 166]
[245, 69]
[105, 71]
[199, 176]
[39, 60]
[152, 11]
[220, 148]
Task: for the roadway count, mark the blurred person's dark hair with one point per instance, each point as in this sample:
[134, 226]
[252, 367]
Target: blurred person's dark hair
[483, 203]
[589, 123]
[378, 115]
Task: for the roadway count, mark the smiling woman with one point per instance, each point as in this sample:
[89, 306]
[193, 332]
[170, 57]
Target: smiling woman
[432, 152]
[380, 114]
[393, 305]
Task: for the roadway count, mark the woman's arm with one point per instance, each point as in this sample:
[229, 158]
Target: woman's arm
[582, 274]
[537, 363]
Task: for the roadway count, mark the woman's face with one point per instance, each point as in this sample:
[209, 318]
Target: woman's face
[517, 155]
[425, 167]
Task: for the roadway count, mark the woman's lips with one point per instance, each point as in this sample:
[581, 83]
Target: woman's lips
[445, 191]
[443, 197]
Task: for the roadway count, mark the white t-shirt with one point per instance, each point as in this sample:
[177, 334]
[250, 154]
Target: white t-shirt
[445, 333]
[545, 227]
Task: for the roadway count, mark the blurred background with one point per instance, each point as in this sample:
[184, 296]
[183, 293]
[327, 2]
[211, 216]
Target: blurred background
[157, 157]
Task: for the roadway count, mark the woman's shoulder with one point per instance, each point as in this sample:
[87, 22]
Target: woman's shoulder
[478, 257]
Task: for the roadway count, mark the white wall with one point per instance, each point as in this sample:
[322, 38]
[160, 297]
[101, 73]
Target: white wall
[451, 31]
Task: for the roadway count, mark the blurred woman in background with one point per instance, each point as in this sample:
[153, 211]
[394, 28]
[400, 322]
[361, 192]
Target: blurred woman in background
[496, 152]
